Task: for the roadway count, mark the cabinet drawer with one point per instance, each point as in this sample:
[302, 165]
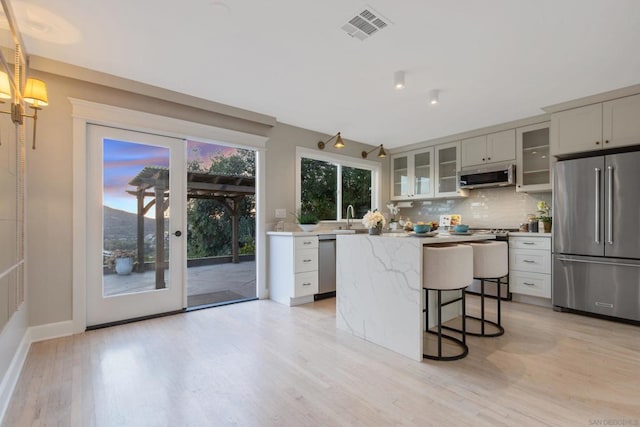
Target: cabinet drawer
[530, 260]
[530, 242]
[305, 284]
[306, 260]
[309, 242]
[535, 284]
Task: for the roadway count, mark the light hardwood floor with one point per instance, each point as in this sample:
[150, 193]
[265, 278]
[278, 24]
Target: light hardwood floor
[262, 364]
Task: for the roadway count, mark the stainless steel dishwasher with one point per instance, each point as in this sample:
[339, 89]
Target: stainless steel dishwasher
[326, 266]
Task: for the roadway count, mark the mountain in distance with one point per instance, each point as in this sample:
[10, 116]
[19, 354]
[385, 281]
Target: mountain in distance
[122, 225]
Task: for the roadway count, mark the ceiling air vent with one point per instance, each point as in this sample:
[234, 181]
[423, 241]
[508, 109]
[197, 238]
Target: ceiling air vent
[365, 24]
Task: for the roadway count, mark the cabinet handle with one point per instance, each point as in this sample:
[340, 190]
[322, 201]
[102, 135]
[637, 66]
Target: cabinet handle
[528, 243]
[528, 284]
[306, 260]
[528, 261]
[306, 243]
[606, 142]
[306, 284]
[597, 142]
[489, 158]
[483, 159]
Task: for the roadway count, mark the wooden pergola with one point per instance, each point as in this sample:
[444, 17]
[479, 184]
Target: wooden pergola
[153, 181]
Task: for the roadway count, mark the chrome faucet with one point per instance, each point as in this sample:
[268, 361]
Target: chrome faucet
[352, 216]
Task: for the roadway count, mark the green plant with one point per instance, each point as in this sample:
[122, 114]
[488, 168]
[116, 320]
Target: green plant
[545, 210]
[307, 218]
[248, 248]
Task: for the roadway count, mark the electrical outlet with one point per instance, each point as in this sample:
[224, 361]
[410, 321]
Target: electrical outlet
[281, 213]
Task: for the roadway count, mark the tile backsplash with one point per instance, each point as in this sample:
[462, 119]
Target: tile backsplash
[484, 208]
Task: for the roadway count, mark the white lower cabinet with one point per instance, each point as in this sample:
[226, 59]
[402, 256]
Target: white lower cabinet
[293, 268]
[530, 265]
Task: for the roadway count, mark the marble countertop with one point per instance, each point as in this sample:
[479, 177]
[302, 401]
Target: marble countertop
[526, 234]
[308, 233]
[439, 238]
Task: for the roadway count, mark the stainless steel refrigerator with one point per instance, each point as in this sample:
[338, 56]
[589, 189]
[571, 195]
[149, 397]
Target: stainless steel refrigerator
[596, 234]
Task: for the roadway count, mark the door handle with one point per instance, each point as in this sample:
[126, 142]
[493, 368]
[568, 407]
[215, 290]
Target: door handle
[597, 196]
[178, 233]
[610, 205]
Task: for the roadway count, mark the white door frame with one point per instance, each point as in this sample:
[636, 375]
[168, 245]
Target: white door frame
[87, 112]
[103, 309]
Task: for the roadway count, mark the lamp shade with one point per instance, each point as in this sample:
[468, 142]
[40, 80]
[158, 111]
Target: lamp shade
[5, 86]
[35, 92]
[339, 143]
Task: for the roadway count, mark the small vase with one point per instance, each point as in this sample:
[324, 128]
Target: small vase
[547, 227]
[375, 231]
[124, 266]
[393, 225]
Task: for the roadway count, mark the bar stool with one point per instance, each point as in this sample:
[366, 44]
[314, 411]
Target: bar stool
[490, 261]
[446, 268]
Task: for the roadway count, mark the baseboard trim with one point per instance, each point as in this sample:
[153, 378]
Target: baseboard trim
[50, 331]
[13, 373]
[31, 335]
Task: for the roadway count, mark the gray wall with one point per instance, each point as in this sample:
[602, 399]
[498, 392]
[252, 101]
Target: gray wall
[49, 201]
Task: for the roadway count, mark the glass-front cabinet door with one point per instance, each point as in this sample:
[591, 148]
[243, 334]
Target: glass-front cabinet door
[412, 174]
[533, 163]
[447, 158]
[400, 176]
[423, 173]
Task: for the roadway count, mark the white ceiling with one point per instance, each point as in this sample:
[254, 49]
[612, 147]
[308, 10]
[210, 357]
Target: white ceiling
[493, 60]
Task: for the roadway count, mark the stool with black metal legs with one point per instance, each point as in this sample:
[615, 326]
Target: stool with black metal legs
[490, 261]
[446, 268]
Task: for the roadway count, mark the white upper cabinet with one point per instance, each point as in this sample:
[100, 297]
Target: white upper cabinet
[412, 174]
[576, 130]
[491, 148]
[594, 127]
[447, 157]
[533, 161]
[621, 122]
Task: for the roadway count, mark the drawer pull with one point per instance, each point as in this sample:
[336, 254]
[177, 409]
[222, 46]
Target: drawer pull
[306, 284]
[528, 261]
[528, 284]
[306, 243]
[307, 260]
[528, 243]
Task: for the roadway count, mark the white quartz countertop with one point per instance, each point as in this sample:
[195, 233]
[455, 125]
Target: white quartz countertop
[437, 239]
[308, 233]
[526, 234]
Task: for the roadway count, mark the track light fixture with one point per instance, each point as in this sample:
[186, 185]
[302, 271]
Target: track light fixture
[338, 144]
[34, 94]
[398, 80]
[382, 154]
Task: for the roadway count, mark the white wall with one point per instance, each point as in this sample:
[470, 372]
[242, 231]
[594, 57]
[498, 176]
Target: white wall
[484, 208]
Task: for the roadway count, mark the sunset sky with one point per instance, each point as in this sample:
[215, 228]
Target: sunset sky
[124, 160]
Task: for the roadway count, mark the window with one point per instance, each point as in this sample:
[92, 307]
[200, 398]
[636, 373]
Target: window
[327, 184]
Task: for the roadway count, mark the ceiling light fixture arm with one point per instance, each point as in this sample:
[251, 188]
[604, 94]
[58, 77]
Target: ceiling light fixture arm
[382, 153]
[338, 144]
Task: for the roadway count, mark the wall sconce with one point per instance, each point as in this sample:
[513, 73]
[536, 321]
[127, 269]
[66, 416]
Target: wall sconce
[382, 154]
[35, 94]
[338, 144]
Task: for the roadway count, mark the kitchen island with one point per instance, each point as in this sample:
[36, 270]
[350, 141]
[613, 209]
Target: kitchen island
[379, 294]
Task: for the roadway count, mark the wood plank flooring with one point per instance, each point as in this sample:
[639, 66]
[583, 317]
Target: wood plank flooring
[264, 364]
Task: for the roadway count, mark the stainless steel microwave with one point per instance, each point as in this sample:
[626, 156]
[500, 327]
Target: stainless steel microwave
[489, 176]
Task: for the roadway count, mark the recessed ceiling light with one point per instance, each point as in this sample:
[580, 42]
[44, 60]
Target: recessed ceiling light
[398, 80]
[433, 97]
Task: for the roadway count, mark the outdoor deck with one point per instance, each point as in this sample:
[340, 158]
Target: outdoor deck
[208, 284]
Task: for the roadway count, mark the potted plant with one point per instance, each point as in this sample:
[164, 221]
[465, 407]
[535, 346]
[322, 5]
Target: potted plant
[393, 210]
[374, 221]
[545, 215]
[307, 221]
[121, 260]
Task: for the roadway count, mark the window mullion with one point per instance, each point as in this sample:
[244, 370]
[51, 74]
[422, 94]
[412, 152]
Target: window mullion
[339, 195]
